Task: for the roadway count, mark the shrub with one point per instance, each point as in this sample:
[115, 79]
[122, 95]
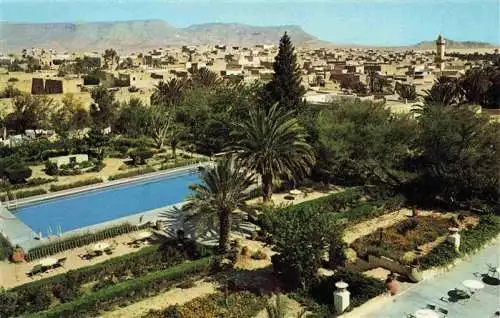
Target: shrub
[361, 287]
[132, 173]
[51, 168]
[259, 255]
[13, 79]
[5, 248]
[140, 155]
[17, 172]
[81, 183]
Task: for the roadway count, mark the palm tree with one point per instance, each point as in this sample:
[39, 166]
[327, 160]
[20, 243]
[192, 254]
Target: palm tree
[272, 143]
[445, 91]
[168, 93]
[406, 91]
[206, 78]
[224, 189]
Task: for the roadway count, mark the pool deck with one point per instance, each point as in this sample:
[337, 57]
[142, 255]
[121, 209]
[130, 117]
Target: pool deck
[482, 305]
[18, 233]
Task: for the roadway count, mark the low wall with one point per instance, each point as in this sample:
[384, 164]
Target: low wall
[374, 261]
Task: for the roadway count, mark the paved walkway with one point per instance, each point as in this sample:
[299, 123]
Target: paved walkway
[482, 305]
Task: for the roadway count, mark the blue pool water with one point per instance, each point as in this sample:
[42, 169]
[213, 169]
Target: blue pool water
[97, 206]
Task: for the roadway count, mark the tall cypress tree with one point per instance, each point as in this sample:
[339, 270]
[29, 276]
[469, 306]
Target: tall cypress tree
[286, 87]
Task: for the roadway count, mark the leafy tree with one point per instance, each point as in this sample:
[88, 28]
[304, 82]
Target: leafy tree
[97, 142]
[140, 155]
[303, 236]
[445, 91]
[30, 112]
[110, 57]
[285, 87]
[132, 119]
[459, 155]
[475, 85]
[378, 83]
[169, 93]
[406, 91]
[160, 121]
[273, 143]
[104, 108]
[224, 190]
[364, 142]
[10, 92]
[70, 116]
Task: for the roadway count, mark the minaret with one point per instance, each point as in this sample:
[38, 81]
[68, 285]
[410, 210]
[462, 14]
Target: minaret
[440, 47]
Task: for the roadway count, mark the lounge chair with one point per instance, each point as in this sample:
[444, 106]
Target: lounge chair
[37, 269]
[443, 311]
[431, 307]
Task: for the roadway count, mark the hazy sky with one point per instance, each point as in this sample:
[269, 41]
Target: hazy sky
[376, 22]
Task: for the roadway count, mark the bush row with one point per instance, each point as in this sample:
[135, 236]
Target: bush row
[242, 304]
[33, 182]
[472, 239]
[22, 194]
[39, 295]
[182, 163]
[130, 174]
[75, 241]
[130, 290]
[81, 183]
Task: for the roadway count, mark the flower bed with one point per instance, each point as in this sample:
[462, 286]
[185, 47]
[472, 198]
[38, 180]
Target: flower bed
[403, 237]
[39, 295]
[472, 240]
[236, 305]
[92, 304]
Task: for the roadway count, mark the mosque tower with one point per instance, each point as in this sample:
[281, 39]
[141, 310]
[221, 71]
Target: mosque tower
[440, 47]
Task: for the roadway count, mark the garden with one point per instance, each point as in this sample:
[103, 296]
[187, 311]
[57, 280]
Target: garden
[88, 290]
[402, 240]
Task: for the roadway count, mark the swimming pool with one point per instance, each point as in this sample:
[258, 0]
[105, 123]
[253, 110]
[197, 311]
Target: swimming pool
[105, 204]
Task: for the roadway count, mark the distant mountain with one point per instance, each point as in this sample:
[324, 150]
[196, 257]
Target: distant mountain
[134, 35]
[454, 44]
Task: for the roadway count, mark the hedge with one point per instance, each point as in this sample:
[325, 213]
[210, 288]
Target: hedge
[182, 163]
[243, 304]
[130, 290]
[472, 240]
[22, 194]
[77, 241]
[132, 173]
[81, 183]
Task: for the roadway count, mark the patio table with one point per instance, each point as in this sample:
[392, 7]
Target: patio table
[100, 247]
[426, 313]
[473, 284]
